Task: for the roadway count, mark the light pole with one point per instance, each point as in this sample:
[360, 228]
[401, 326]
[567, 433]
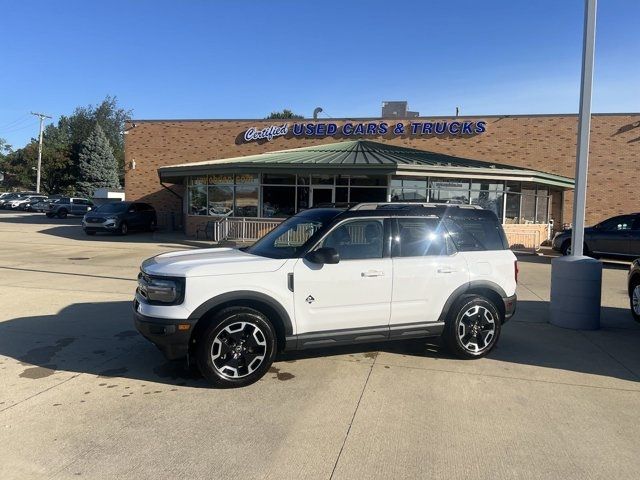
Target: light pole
[42, 117]
[576, 280]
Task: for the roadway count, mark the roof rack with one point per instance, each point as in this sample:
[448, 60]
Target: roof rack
[406, 205]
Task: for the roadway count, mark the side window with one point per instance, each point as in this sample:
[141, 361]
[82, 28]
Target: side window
[617, 224]
[421, 237]
[356, 239]
[474, 231]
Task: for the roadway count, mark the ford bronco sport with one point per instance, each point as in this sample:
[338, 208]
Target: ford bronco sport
[328, 276]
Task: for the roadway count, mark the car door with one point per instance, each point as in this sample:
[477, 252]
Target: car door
[612, 236]
[354, 293]
[426, 271]
[634, 238]
[75, 208]
[134, 216]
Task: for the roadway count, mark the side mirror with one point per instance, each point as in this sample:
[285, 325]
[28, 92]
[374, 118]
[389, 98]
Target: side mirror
[323, 255]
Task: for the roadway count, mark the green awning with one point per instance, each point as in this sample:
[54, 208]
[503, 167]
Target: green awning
[361, 157]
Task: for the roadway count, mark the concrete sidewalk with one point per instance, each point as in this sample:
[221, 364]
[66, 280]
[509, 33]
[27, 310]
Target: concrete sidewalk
[82, 395]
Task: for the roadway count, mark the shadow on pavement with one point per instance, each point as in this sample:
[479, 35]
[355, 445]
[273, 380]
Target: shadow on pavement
[99, 339]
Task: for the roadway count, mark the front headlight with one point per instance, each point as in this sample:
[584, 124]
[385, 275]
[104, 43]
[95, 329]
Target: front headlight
[161, 290]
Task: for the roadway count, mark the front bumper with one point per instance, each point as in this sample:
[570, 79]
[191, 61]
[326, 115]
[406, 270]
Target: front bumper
[171, 336]
[510, 304]
[107, 226]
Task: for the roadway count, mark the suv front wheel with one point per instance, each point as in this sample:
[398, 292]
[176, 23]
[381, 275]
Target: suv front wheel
[473, 327]
[237, 349]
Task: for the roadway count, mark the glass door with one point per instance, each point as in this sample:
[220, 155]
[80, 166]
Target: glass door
[321, 195]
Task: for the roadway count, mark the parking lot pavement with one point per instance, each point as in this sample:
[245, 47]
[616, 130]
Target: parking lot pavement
[83, 395]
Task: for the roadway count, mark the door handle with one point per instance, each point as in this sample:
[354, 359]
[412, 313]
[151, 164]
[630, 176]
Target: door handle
[372, 273]
[446, 270]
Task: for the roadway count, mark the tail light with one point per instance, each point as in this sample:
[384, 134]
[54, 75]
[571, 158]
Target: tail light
[515, 270]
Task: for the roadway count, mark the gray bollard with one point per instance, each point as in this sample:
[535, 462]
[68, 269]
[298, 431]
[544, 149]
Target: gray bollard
[576, 290]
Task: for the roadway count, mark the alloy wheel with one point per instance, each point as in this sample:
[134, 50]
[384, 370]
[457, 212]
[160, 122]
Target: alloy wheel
[476, 329]
[238, 350]
[635, 300]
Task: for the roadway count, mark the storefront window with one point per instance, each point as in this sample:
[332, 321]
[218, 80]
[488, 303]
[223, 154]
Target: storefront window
[542, 208]
[221, 179]
[247, 179]
[220, 201]
[278, 201]
[408, 190]
[512, 214]
[303, 198]
[489, 200]
[199, 180]
[364, 194]
[459, 197]
[322, 179]
[342, 195]
[488, 185]
[198, 200]
[278, 179]
[369, 180]
[528, 209]
[246, 200]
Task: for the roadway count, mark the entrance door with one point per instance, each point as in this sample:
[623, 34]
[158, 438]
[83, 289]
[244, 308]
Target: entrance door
[320, 195]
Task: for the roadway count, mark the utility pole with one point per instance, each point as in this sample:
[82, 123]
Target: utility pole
[42, 116]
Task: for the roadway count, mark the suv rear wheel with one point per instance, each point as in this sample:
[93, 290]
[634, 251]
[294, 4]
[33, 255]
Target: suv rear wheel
[473, 327]
[237, 348]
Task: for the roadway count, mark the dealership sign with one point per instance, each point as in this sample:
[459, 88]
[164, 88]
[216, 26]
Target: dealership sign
[365, 129]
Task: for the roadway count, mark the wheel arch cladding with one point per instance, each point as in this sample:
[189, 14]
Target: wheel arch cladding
[273, 310]
[491, 291]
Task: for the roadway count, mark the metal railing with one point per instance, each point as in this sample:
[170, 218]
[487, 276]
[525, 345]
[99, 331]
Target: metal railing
[242, 229]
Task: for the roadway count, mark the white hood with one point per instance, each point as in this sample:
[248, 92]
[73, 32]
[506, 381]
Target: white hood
[209, 261]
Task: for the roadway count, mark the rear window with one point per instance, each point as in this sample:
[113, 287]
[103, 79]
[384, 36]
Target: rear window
[475, 230]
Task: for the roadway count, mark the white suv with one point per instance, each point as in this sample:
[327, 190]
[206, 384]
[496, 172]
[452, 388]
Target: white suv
[328, 276]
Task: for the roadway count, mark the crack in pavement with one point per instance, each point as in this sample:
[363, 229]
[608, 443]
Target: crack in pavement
[335, 465]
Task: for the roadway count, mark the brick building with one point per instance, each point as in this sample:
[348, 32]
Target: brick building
[521, 166]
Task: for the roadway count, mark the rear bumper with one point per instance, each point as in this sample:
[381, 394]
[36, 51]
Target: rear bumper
[510, 304]
[169, 335]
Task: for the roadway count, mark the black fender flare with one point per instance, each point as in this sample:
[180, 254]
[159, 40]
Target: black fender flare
[468, 287]
[244, 295]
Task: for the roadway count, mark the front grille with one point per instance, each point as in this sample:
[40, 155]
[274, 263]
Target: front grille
[95, 220]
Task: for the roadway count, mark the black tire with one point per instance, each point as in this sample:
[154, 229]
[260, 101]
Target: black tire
[634, 296]
[473, 327]
[565, 249]
[124, 228]
[231, 355]
[89, 233]
[62, 213]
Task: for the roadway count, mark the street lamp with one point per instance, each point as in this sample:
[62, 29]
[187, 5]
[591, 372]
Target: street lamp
[576, 280]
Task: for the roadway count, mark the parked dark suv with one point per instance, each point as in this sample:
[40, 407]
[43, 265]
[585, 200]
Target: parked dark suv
[616, 236]
[120, 217]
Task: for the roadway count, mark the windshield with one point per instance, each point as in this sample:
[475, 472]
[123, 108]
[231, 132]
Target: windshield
[112, 208]
[287, 239]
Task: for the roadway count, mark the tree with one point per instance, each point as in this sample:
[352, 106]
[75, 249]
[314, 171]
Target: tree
[286, 113]
[97, 165]
[111, 118]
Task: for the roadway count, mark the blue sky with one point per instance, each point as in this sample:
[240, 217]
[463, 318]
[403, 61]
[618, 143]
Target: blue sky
[243, 59]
